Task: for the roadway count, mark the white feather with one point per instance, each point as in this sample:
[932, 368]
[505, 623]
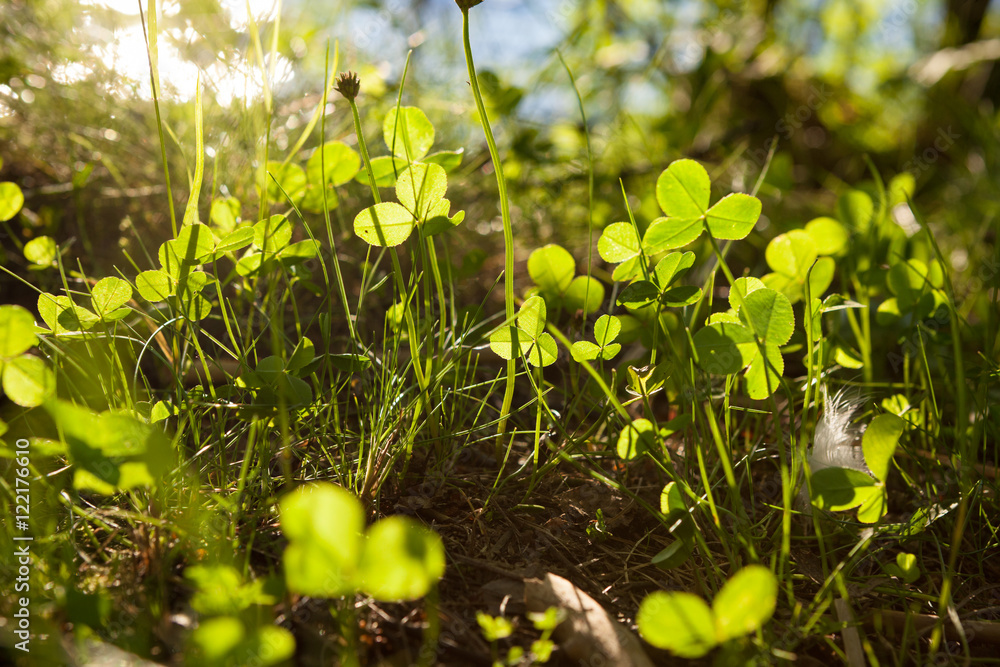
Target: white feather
[838, 441]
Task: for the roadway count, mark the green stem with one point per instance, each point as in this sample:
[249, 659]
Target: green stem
[508, 233]
[397, 269]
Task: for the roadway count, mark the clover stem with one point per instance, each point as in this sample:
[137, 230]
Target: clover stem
[411, 328]
[508, 233]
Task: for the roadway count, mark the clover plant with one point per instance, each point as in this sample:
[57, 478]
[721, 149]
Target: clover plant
[838, 489]
[685, 625]
[331, 554]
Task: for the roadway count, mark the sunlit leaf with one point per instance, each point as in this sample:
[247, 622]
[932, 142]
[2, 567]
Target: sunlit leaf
[111, 451]
[11, 200]
[791, 254]
[584, 294]
[109, 294]
[154, 286]
[741, 288]
[636, 438]
[292, 181]
[672, 267]
[681, 623]
[618, 243]
[879, 443]
[829, 235]
[669, 233]
[17, 331]
[532, 315]
[323, 524]
[551, 267]
[764, 374]
[450, 160]
[855, 209]
[838, 489]
[606, 329]
[411, 137]
[387, 224]
[28, 381]
[724, 348]
[421, 187]
[683, 190]
[745, 603]
[41, 251]
[225, 214]
[769, 315]
[335, 163]
[734, 216]
[385, 168]
[236, 240]
[273, 234]
[544, 351]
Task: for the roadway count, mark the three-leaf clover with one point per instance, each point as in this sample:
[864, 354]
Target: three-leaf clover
[659, 289]
[749, 337]
[533, 342]
[793, 261]
[606, 330]
[683, 193]
[420, 190]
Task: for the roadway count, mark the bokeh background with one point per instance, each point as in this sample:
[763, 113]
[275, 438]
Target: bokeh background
[841, 89]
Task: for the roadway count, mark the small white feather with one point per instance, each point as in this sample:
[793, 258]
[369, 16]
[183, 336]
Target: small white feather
[838, 440]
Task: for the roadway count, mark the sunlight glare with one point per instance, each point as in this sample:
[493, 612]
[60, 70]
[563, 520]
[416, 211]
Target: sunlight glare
[232, 76]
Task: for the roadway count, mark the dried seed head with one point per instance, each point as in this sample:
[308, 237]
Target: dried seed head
[466, 5]
[348, 85]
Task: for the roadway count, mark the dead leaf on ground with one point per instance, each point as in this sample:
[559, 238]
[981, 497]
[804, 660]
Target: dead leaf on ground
[588, 630]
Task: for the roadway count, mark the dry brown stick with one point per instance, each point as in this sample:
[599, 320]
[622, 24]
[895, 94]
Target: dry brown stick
[975, 631]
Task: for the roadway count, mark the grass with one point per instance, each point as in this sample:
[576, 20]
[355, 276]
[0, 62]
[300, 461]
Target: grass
[177, 419]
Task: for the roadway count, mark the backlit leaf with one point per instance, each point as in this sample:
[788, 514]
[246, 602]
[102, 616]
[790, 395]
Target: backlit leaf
[400, 560]
[745, 603]
[17, 331]
[154, 286]
[323, 524]
[879, 443]
[636, 438]
[829, 235]
[552, 268]
[28, 381]
[421, 187]
[41, 251]
[681, 623]
[764, 374]
[411, 137]
[769, 315]
[386, 225]
[584, 294]
[109, 294]
[335, 163]
[618, 243]
[724, 348]
[734, 216]
[669, 233]
[273, 234]
[11, 200]
[838, 489]
[683, 189]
